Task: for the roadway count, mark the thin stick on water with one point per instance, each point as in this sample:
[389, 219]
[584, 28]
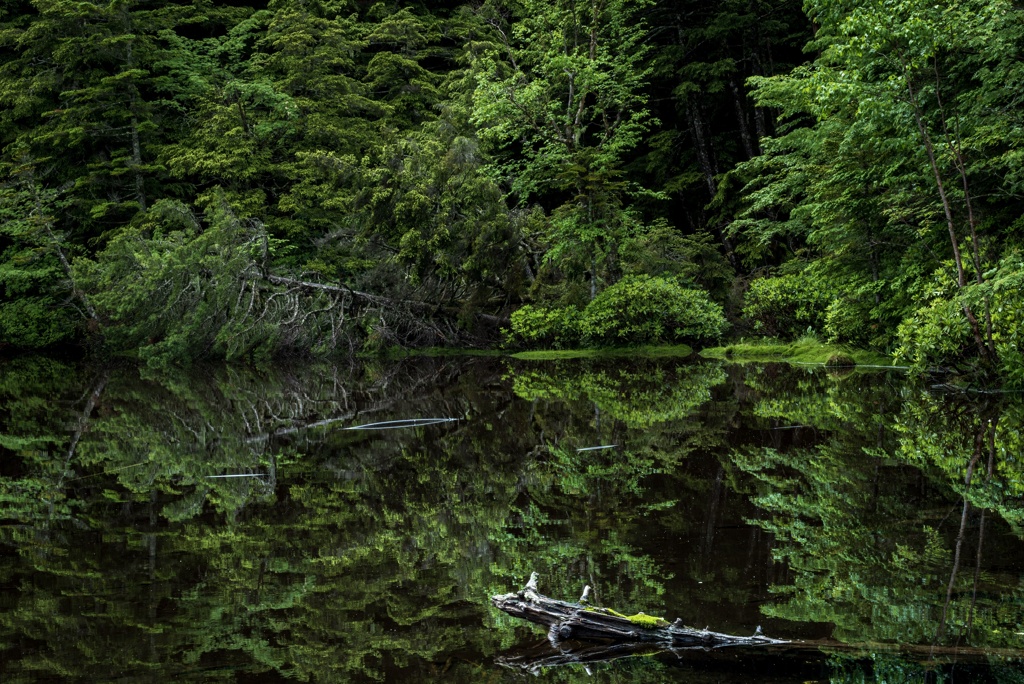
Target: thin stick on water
[404, 423]
[211, 477]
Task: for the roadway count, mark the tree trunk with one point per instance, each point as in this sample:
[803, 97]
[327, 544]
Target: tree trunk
[738, 99]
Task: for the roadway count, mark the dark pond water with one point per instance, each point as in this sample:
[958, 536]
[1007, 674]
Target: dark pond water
[225, 525]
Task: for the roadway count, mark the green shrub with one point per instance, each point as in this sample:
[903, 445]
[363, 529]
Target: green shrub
[541, 326]
[37, 322]
[646, 310]
[849, 322]
[1006, 292]
[786, 306]
[937, 334]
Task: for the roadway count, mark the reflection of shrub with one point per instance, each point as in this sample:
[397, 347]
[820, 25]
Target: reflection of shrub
[647, 395]
[546, 327]
[642, 309]
[840, 361]
[785, 306]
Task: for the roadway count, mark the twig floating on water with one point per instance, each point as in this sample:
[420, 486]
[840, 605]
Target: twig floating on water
[210, 477]
[605, 446]
[404, 423]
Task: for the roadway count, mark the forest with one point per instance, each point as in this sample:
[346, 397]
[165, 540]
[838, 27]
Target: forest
[183, 180]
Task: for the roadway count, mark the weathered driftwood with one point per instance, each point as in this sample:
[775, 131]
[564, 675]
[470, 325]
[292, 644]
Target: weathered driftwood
[584, 622]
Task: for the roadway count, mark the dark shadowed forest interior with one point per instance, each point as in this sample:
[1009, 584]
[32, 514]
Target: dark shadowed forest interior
[226, 180]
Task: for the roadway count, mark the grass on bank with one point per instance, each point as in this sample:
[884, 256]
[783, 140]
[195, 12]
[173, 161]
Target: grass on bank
[648, 351]
[663, 351]
[803, 350]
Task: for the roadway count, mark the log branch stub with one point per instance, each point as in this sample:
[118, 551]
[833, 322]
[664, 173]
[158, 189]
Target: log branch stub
[583, 622]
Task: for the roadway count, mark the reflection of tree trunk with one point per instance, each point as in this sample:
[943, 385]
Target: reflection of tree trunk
[977, 576]
[978, 443]
[713, 504]
[956, 567]
[151, 543]
[748, 569]
[83, 421]
[991, 439]
[80, 426]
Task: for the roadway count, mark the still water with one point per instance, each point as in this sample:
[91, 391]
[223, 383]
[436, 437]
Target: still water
[227, 525]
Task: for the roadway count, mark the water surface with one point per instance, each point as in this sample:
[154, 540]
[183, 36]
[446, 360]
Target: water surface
[224, 524]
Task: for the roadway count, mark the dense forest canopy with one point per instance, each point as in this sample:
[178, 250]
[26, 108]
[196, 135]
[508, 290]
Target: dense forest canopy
[195, 179]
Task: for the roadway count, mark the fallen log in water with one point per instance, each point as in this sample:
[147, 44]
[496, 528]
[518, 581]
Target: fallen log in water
[584, 622]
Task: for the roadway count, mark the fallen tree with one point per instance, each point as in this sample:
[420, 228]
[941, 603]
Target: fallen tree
[581, 621]
[600, 634]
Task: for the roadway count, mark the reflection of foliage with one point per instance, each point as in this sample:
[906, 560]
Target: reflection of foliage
[640, 398]
[975, 442]
[856, 519]
[368, 555]
[378, 545]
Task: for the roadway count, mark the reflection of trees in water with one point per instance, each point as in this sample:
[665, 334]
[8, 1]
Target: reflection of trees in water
[138, 556]
[347, 552]
[357, 553]
[895, 526]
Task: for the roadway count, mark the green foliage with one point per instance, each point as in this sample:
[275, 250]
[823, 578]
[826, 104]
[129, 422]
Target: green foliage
[445, 164]
[177, 291]
[40, 304]
[694, 260]
[889, 172]
[934, 335]
[849, 321]
[540, 326]
[560, 99]
[645, 309]
[636, 310]
[1005, 300]
[786, 306]
[37, 322]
